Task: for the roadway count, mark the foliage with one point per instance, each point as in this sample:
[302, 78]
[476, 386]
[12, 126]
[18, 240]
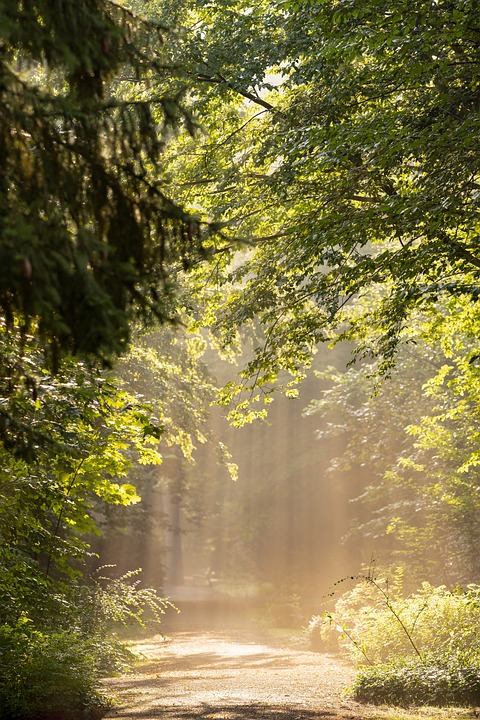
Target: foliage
[417, 649]
[376, 622]
[47, 673]
[339, 146]
[53, 665]
[47, 502]
[89, 239]
[433, 681]
[414, 440]
[105, 603]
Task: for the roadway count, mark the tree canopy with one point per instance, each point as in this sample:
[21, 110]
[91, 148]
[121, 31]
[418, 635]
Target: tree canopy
[314, 165]
[341, 145]
[89, 240]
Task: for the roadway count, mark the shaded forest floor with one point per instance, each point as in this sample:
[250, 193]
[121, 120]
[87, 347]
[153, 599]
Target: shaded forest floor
[235, 675]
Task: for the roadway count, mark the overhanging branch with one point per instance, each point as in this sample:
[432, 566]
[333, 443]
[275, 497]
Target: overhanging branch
[220, 80]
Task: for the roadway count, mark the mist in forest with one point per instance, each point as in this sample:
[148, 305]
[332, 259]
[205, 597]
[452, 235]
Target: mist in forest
[282, 524]
[323, 494]
[278, 537]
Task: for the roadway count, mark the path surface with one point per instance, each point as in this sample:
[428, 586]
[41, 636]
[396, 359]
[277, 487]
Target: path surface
[225, 676]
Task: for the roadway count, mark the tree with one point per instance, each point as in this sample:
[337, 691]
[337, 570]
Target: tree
[345, 157]
[89, 240]
[48, 502]
[415, 443]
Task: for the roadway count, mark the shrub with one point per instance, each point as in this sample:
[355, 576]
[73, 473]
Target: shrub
[107, 603]
[422, 649]
[433, 681]
[50, 670]
[374, 622]
[47, 676]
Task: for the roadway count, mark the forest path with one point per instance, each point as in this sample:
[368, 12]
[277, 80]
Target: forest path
[232, 676]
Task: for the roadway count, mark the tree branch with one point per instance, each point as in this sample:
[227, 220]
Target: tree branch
[465, 254]
[219, 80]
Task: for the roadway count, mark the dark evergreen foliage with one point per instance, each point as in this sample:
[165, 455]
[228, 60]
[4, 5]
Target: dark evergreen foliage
[88, 241]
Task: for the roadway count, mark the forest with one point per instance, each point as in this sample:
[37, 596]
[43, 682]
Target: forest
[239, 320]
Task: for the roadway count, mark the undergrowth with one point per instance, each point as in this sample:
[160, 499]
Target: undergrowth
[437, 681]
[50, 667]
[420, 649]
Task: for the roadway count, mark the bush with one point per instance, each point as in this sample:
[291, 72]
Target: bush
[374, 622]
[47, 676]
[108, 603]
[50, 670]
[423, 649]
[434, 681]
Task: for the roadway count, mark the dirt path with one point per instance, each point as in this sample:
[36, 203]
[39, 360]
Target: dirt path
[225, 676]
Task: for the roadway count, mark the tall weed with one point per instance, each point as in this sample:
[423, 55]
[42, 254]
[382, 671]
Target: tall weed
[422, 649]
[373, 622]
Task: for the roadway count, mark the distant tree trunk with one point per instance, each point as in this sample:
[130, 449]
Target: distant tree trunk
[173, 540]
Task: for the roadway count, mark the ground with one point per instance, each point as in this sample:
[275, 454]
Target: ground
[231, 676]
[215, 664]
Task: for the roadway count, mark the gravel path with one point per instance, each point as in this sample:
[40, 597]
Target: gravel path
[225, 676]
